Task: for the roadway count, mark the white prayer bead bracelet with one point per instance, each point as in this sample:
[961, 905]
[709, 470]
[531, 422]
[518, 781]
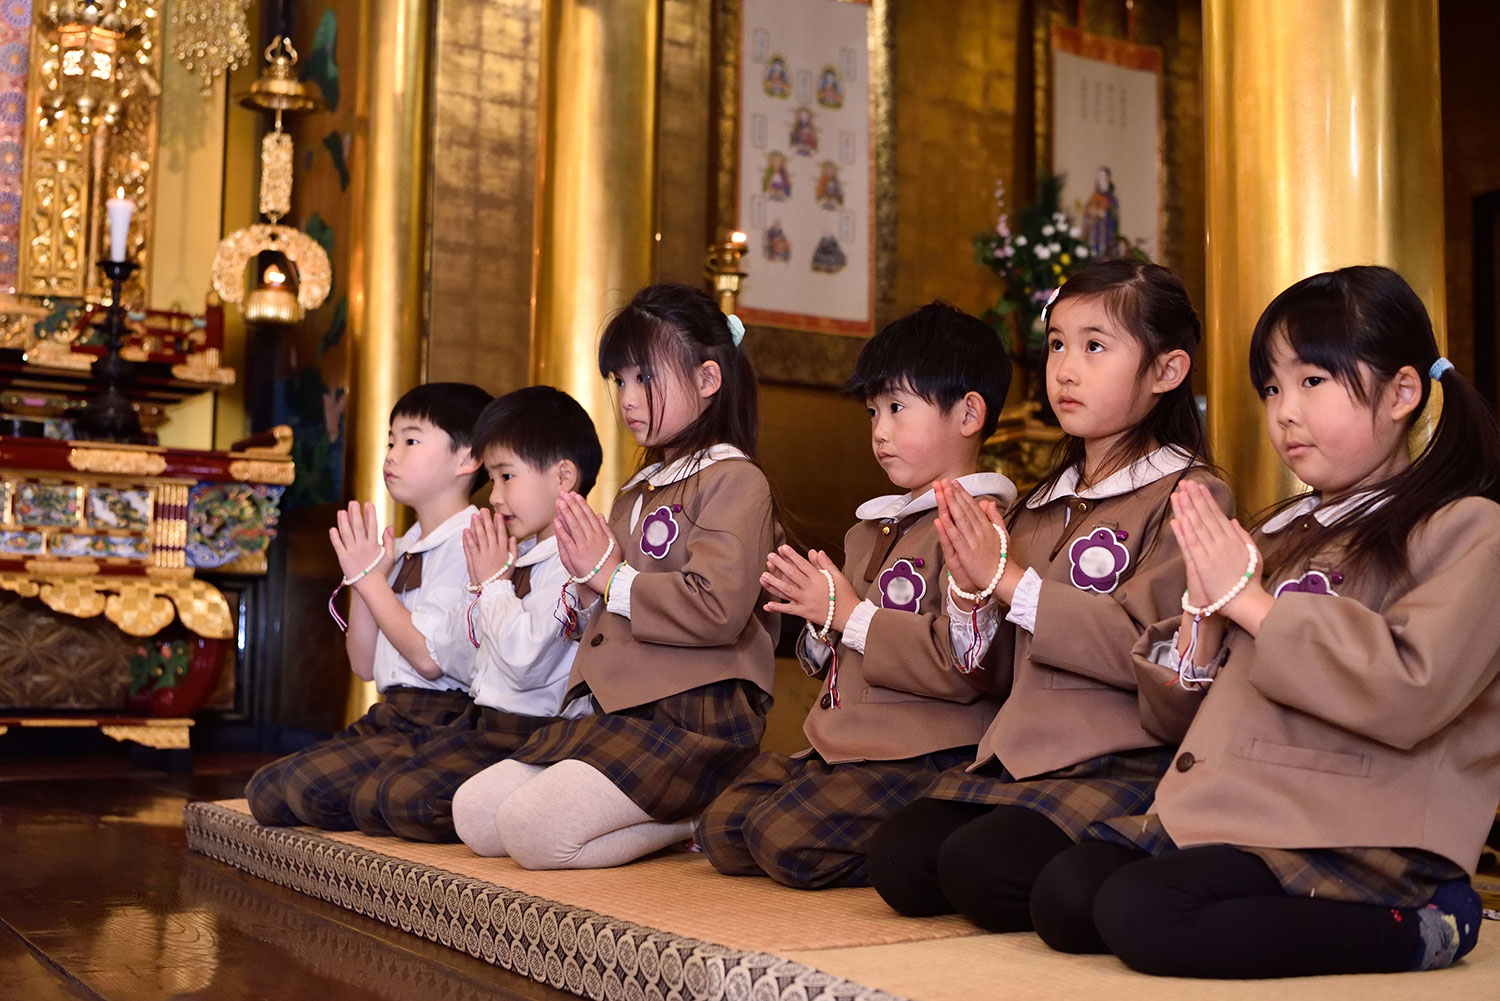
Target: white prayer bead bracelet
[822, 634]
[989, 589]
[473, 588]
[351, 581]
[597, 566]
[1240, 585]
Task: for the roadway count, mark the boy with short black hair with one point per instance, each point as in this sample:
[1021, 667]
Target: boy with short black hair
[895, 710]
[537, 444]
[402, 631]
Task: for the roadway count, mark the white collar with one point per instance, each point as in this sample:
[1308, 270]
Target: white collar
[1148, 468]
[659, 475]
[1324, 515]
[901, 505]
[413, 541]
[534, 552]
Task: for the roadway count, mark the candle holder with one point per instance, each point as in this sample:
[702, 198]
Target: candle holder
[723, 270]
[110, 416]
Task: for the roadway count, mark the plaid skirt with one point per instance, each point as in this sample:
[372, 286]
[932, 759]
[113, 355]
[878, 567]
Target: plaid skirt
[1389, 877]
[1110, 785]
[805, 822]
[671, 756]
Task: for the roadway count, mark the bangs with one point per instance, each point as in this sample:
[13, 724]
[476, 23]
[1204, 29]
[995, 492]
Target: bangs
[1317, 325]
[634, 339]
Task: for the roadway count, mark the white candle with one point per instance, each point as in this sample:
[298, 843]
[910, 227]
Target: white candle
[120, 210]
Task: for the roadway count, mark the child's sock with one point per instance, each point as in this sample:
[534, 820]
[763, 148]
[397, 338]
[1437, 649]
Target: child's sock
[1448, 926]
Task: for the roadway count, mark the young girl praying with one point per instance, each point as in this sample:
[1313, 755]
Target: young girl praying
[1335, 787]
[1089, 566]
[677, 653]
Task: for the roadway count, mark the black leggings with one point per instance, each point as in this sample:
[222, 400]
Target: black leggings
[1214, 911]
[937, 857]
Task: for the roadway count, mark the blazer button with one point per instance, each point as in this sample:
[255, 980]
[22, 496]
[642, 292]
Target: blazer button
[1185, 760]
[598, 638]
[826, 700]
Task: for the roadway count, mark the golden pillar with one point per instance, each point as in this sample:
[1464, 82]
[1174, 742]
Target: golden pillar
[1324, 150]
[595, 195]
[386, 260]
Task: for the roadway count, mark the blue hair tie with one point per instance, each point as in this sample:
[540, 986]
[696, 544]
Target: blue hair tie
[1439, 369]
[736, 328]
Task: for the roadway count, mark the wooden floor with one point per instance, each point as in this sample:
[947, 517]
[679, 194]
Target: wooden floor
[100, 899]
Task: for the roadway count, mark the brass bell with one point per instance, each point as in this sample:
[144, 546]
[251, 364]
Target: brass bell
[278, 88]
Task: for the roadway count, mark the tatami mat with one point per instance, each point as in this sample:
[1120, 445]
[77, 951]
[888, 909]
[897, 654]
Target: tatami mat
[1021, 968]
[670, 927]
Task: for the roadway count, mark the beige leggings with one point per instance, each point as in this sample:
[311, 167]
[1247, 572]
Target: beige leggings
[568, 815]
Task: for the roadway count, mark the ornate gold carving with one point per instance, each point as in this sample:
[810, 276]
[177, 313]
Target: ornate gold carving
[140, 606]
[70, 167]
[77, 597]
[19, 584]
[314, 275]
[263, 471]
[169, 572]
[131, 461]
[18, 322]
[137, 608]
[203, 366]
[68, 567]
[275, 175]
[166, 735]
[280, 447]
[202, 607]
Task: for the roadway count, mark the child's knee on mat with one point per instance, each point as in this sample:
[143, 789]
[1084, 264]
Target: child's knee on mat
[474, 821]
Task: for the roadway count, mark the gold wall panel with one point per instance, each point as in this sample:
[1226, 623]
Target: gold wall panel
[483, 183]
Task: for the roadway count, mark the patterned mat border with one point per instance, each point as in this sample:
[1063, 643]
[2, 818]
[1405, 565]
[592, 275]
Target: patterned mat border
[565, 947]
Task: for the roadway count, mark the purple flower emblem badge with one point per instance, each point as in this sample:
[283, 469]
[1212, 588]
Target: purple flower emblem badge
[658, 532]
[1312, 582]
[1098, 561]
[901, 587]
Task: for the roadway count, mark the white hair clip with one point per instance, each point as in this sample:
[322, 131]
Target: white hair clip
[736, 329]
[1047, 307]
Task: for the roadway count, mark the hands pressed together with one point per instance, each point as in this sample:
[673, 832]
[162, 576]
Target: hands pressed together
[1216, 553]
[362, 548]
[584, 540]
[971, 546]
[489, 550]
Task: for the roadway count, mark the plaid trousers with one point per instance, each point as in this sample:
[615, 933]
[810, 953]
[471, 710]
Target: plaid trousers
[805, 822]
[314, 786]
[413, 797]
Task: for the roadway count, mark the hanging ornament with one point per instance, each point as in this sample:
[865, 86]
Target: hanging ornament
[210, 37]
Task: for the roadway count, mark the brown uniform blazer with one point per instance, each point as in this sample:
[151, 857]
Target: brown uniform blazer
[1070, 686]
[904, 696]
[695, 610]
[1369, 717]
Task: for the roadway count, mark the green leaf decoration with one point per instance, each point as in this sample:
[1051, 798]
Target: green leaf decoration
[321, 66]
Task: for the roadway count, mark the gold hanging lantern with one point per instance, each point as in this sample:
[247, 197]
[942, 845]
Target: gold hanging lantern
[92, 37]
[298, 277]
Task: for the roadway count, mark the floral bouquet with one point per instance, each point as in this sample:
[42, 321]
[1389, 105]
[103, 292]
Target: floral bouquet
[1034, 250]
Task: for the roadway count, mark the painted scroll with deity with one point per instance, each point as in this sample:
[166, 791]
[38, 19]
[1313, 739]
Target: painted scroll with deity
[806, 165]
[1107, 138]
